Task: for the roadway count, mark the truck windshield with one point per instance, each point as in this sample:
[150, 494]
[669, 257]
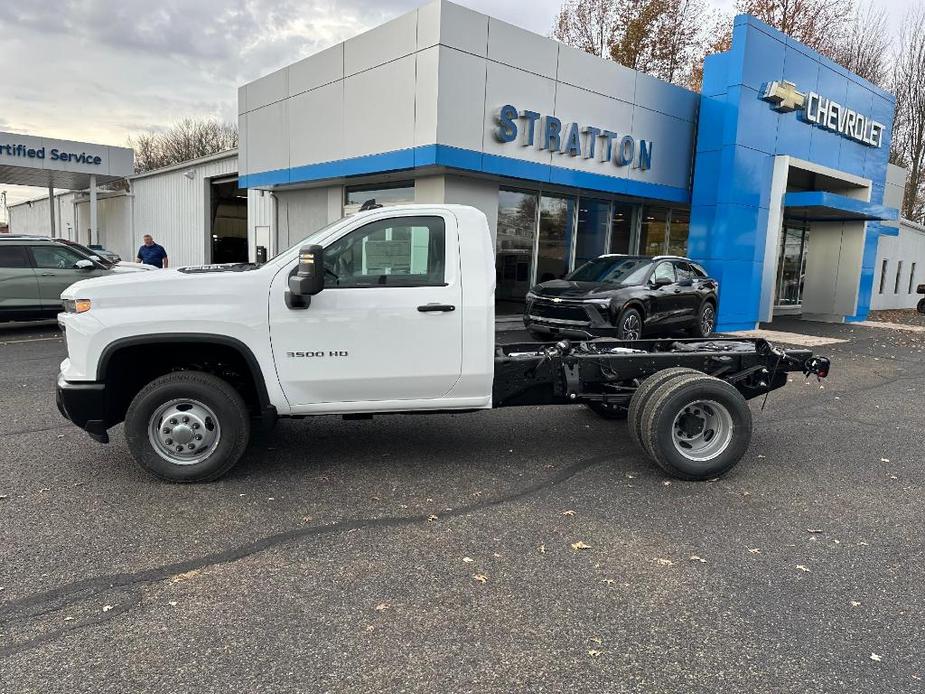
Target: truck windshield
[612, 270]
[311, 238]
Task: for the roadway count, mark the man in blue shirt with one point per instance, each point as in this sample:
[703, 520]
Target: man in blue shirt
[152, 253]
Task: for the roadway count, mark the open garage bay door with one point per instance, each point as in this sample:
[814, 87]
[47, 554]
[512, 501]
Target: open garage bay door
[228, 221]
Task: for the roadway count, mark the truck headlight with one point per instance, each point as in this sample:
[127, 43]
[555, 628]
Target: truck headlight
[76, 305]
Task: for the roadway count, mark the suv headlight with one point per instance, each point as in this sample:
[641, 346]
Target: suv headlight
[76, 305]
[599, 302]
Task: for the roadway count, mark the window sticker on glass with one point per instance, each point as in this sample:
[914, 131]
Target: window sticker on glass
[387, 257]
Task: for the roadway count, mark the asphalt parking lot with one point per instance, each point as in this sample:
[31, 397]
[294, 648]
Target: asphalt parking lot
[435, 553]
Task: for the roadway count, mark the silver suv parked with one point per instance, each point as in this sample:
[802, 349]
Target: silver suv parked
[34, 271]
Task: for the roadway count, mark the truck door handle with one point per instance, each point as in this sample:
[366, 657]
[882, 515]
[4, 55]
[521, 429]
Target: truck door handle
[432, 308]
[47, 274]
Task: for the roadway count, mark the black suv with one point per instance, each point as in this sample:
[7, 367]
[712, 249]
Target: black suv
[624, 296]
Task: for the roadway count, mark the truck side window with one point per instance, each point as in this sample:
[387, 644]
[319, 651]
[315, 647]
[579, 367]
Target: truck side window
[397, 252]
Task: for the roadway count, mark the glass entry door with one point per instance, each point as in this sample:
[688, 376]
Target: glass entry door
[791, 266]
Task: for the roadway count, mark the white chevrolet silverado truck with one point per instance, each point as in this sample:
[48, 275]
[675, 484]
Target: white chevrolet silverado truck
[387, 311]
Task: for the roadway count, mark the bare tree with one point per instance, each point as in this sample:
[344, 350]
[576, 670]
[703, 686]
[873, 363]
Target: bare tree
[819, 24]
[186, 139]
[659, 37]
[908, 84]
[863, 50]
[590, 25]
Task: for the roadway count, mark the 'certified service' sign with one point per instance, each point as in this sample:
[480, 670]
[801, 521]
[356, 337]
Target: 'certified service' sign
[825, 113]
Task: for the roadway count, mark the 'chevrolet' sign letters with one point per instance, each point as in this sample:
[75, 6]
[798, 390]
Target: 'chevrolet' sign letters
[828, 114]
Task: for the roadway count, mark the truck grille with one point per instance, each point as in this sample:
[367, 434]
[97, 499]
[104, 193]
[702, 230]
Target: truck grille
[542, 309]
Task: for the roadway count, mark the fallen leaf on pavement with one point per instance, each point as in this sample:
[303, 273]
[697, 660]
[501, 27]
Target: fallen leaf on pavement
[568, 513]
[663, 562]
[754, 550]
[542, 549]
[855, 603]
[185, 576]
[580, 545]
[876, 658]
[802, 568]
[481, 578]
[106, 608]
[432, 518]
[468, 560]
[813, 530]
[694, 557]
[594, 654]
[382, 606]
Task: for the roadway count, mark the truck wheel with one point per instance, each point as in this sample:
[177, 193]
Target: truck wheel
[696, 427]
[608, 411]
[921, 307]
[641, 396]
[187, 426]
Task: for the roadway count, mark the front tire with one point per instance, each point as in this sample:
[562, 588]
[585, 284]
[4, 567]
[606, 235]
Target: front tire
[187, 426]
[921, 307]
[706, 320]
[630, 325]
[696, 427]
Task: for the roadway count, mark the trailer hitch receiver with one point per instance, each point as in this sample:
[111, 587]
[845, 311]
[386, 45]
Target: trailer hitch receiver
[818, 366]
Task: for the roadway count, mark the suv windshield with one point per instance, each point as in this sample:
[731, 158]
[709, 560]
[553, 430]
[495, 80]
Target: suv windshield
[613, 270]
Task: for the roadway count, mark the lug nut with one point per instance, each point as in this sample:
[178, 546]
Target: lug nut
[195, 425]
[185, 420]
[199, 437]
[166, 430]
[168, 441]
[192, 446]
[174, 422]
[179, 449]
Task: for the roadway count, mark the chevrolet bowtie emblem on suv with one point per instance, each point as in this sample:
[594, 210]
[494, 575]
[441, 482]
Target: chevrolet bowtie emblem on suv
[784, 96]
[557, 300]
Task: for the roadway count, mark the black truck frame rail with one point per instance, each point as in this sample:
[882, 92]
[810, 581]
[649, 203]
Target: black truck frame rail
[609, 371]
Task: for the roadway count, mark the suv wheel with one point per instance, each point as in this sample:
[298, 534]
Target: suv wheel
[630, 325]
[706, 320]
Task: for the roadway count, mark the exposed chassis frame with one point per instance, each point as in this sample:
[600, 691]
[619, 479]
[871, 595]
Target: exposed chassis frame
[609, 371]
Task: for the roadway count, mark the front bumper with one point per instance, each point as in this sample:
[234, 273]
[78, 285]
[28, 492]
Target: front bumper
[85, 405]
[569, 318]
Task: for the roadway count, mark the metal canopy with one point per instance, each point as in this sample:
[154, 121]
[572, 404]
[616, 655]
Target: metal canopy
[822, 206]
[43, 178]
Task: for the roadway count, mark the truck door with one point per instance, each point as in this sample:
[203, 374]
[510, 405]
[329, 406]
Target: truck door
[55, 268]
[388, 324]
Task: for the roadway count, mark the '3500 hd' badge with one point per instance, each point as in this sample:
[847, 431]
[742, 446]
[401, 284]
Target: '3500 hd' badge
[321, 353]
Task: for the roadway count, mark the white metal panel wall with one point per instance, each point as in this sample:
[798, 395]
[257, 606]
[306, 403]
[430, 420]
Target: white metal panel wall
[908, 247]
[174, 209]
[114, 221]
[33, 220]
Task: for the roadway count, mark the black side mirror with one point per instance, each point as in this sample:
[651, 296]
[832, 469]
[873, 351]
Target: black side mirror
[308, 279]
[659, 282]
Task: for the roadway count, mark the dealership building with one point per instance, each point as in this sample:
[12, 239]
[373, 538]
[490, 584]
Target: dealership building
[775, 176]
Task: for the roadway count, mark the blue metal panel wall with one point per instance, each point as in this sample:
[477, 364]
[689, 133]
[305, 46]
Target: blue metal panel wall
[738, 136]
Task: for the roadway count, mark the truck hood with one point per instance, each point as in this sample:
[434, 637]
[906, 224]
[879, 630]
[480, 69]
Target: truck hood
[140, 287]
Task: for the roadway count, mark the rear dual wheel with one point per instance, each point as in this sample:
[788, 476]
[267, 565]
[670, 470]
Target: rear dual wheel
[694, 426]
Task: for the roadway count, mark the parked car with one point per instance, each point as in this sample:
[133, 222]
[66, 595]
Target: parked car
[921, 305]
[35, 270]
[625, 296]
[97, 253]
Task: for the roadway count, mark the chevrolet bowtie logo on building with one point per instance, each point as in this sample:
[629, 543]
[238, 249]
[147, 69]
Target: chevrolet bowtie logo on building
[784, 96]
[824, 113]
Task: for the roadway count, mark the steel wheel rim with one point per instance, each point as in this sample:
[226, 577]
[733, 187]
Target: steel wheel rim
[702, 430]
[708, 320]
[631, 327]
[184, 431]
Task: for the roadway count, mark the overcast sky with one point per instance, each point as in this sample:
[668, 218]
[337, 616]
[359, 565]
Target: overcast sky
[101, 70]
